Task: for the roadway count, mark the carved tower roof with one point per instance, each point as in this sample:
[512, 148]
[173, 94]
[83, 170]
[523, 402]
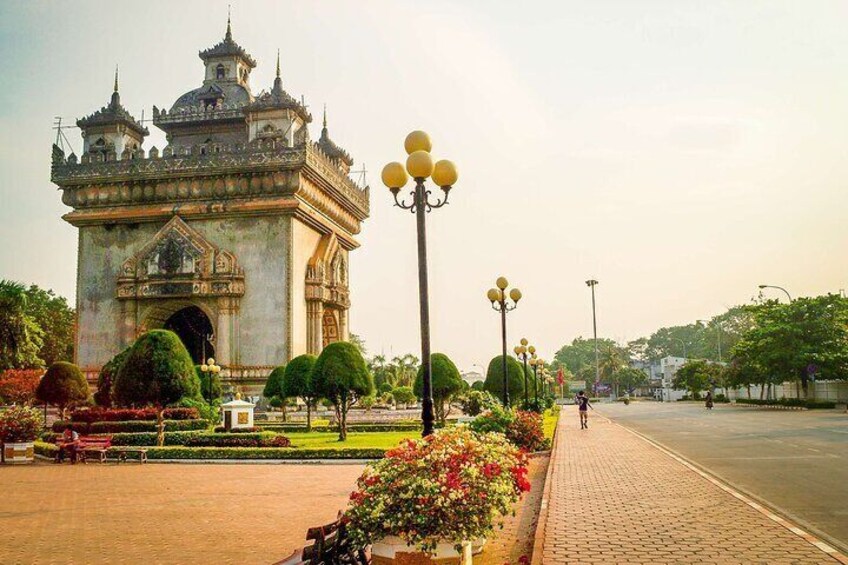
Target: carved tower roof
[228, 47]
[113, 114]
[329, 147]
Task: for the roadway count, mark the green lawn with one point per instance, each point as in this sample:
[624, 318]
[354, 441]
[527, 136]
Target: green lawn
[377, 440]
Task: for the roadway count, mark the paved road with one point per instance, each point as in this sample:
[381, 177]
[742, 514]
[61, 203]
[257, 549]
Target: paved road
[796, 461]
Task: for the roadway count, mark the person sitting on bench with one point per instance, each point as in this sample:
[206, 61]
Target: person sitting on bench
[68, 443]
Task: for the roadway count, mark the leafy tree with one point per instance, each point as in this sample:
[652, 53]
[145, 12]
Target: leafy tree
[403, 395]
[341, 376]
[21, 338]
[359, 343]
[64, 386]
[579, 356]
[629, 378]
[158, 370]
[298, 382]
[611, 360]
[695, 376]
[446, 381]
[106, 379]
[368, 402]
[515, 379]
[793, 341]
[478, 385]
[56, 319]
[384, 387]
[275, 387]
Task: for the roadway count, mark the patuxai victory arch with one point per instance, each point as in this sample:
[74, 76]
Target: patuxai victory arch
[236, 235]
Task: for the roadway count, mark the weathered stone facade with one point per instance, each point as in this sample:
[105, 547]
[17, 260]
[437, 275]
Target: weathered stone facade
[237, 235]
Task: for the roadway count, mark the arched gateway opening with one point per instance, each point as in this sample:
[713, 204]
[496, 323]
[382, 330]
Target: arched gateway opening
[195, 330]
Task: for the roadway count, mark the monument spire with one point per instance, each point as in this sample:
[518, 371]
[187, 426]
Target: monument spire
[116, 98]
[325, 117]
[278, 63]
[229, 34]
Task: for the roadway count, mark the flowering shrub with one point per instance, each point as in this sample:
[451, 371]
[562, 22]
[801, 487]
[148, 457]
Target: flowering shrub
[526, 431]
[451, 486]
[474, 402]
[126, 414]
[523, 429]
[20, 424]
[17, 386]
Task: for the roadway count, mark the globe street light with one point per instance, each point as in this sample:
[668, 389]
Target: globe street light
[210, 369]
[498, 298]
[521, 351]
[420, 166]
[789, 296]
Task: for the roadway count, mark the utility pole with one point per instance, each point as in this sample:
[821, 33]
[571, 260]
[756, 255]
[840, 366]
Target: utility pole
[591, 283]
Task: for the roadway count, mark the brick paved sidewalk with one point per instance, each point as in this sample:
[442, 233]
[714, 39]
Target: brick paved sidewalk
[615, 498]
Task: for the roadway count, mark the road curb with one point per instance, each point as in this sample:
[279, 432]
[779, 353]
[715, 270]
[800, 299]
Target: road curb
[541, 523]
[760, 507]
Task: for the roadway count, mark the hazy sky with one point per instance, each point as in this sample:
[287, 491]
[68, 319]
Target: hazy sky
[679, 152]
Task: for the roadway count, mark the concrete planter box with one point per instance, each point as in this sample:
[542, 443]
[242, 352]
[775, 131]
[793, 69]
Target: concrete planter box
[393, 550]
[18, 453]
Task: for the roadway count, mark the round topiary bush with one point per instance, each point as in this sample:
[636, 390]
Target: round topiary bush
[157, 370]
[515, 379]
[64, 386]
[341, 376]
[298, 382]
[446, 383]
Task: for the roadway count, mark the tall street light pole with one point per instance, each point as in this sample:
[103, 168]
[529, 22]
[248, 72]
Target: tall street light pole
[789, 296]
[497, 296]
[592, 283]
[420, 166]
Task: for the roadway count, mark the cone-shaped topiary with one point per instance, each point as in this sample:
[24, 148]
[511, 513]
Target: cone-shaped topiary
[275, 389]
[342, 377]
[298, 382]
[446, 383]
[157, 370]
[494, 379]
[63, 385]
[103, 395]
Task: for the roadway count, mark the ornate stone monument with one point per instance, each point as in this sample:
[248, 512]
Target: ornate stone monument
[236, 235]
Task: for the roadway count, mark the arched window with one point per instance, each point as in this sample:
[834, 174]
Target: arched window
[220, 72]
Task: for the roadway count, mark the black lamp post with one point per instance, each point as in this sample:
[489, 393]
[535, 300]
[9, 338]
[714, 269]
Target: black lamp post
[210, 369]
[420, 166]
[497, 296]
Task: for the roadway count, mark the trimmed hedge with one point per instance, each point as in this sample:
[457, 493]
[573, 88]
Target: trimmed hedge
[200, 453]
[798, 402]
[289, 428]
[132, 426]
[223, 430]
[262, 453]
[265, 439]
[90, 415]
[141, 439]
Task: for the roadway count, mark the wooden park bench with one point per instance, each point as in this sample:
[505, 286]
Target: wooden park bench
[331, 545]
[122, 452]
[90, 446]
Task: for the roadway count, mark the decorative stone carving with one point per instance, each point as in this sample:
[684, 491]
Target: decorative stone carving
[180, 262]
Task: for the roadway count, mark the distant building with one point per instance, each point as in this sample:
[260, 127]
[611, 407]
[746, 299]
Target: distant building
[472, 377]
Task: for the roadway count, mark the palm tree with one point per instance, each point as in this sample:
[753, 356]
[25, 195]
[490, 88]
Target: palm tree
[20, 336]
[611, 361]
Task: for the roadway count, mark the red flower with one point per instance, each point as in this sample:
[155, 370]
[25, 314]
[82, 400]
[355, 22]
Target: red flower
[491, 470]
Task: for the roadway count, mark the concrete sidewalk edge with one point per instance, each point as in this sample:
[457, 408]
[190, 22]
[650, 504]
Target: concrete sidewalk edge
[780, 517]
[539, 534]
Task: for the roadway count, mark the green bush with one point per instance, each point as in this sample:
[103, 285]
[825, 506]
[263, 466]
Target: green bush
[132, 426]
[298, 382]
[341, 375]
[158, 370]
[446, 382]
[384, 388]
[515, 381]
[476, 401]
[141, 439]
[403, 395]
[63, 385]
[275, 384]
[393, 427]
[799, 402]
[106, 379]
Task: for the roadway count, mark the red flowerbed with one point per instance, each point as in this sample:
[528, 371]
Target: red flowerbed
[90, 415]
[17, 386]
[527, 431]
